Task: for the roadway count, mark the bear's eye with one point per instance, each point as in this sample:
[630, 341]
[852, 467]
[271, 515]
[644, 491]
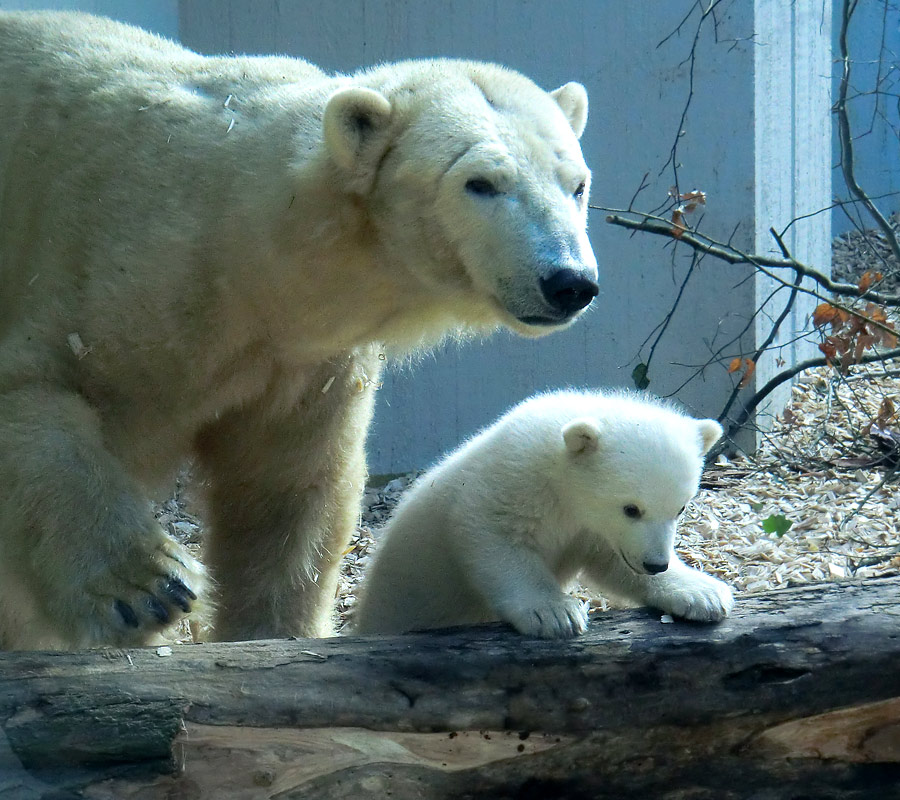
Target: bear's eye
[482, 187]
[632, 511]
[579, 191]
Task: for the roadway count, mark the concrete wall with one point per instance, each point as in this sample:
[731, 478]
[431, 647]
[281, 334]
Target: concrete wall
[159, 16]
[756, 139]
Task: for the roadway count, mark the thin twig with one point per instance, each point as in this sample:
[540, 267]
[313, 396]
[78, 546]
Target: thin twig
[846, 139]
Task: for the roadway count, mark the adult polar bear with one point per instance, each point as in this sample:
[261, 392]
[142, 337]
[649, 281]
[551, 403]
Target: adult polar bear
[207, 256]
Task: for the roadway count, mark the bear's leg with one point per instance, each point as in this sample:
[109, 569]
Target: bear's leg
[518, 585]
[87, 563]
[284, 488]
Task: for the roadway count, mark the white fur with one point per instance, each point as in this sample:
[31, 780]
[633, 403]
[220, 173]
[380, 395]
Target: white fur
[500, 527]
[191, 249]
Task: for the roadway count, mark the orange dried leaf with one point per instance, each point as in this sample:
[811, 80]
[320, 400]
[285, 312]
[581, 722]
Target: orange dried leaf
[876, 313]
[678, 226]
[867, 279]
[735, 364]
[824, 313]
[749, 369]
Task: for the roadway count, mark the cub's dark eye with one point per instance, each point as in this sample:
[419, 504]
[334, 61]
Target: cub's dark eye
[632, 511]
[482, 187]
[579, 192]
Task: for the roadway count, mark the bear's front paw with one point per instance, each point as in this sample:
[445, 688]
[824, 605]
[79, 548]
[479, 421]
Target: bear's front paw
[698, 597]
[558, 618]
[143, 591]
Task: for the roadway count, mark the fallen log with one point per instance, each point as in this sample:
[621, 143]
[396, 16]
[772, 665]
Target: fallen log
[797, 695]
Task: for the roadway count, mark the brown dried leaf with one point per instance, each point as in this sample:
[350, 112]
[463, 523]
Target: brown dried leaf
[886, 339]
[867, 279]
[828, 348]
[825, 313]
[695, 196]
[886, 412]
[841, 343]
[749, 369]
[877, 314]
[678, 226]
[863, 342]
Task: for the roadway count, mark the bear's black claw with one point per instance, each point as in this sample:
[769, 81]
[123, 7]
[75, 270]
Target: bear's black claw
[179, 594]
[127, 614]
[158, 610]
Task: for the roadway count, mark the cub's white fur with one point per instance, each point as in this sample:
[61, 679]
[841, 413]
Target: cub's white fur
[566, 485]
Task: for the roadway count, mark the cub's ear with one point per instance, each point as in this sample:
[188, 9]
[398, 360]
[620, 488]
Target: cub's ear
[710, 433]
[355, 127]
[581, 436]
[573, 100]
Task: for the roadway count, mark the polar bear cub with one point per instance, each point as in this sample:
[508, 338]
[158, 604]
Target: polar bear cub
[566, 485]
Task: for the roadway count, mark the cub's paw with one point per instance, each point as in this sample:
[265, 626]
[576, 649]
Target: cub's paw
[560, 617]
[697, 597]
[142, 591]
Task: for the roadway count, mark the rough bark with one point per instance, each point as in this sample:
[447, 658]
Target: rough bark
[797, 695]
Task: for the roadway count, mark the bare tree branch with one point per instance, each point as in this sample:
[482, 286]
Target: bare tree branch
[733, 255]
[846, 139]
[786, 374]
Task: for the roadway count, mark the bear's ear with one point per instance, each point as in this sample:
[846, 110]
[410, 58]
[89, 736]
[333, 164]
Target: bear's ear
[573, 100]
[581, 436]
[355, 128]
[710, 433]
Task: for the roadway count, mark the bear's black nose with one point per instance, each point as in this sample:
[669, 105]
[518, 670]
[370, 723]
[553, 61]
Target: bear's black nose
[567, 291]
[655, 569]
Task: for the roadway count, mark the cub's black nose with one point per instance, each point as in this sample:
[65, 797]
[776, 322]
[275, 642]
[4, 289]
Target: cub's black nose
[655, 569]
[567, 291]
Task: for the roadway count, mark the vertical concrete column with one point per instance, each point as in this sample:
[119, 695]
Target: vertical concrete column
[792, 145]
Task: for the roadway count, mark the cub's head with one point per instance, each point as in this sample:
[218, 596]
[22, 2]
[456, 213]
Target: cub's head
[476, 187]
[635, 469]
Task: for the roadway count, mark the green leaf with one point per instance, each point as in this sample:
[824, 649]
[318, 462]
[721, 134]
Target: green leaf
[777, 524]
[640, 377]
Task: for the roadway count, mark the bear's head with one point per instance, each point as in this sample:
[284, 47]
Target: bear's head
[635, 470]
[476, 187]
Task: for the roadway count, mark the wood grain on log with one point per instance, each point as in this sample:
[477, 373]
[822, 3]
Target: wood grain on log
[795, 696]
